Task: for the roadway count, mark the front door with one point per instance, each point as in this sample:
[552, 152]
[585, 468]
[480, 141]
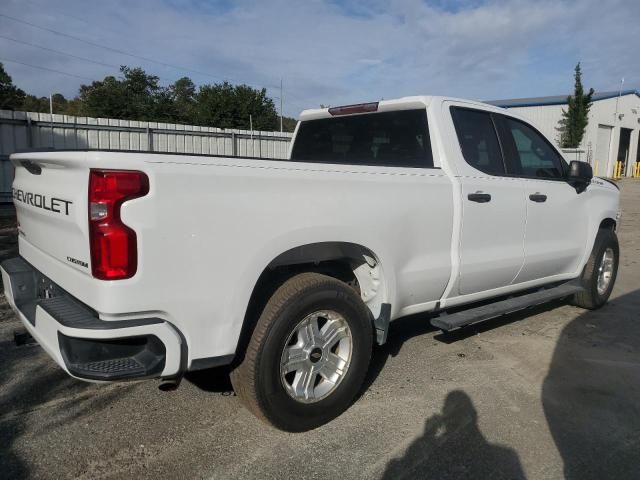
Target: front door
[556, 227]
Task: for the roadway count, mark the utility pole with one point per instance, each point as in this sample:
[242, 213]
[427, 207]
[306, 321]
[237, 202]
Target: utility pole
[51, 118]
[618, 99]
[615, 119]
[251, 128]
[280, 105]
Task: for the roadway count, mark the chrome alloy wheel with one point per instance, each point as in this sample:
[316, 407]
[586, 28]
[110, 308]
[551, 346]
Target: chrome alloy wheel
[316, 356]
[605, 271]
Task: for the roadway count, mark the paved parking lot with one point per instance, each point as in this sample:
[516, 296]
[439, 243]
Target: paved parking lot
[549, 393]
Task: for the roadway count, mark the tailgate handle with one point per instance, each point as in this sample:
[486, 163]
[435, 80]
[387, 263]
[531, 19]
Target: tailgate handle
[31, 167]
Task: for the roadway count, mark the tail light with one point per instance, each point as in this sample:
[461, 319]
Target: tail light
[114, 249]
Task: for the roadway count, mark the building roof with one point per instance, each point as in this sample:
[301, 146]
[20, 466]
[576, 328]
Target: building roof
[555, 99]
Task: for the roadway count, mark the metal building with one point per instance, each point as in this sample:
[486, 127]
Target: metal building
[611, 140]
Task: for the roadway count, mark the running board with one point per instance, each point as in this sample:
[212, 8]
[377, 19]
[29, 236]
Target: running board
[452, 321]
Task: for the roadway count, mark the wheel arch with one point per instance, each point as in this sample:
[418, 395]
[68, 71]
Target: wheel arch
[597, 223]
[608, 224]
[352, 263]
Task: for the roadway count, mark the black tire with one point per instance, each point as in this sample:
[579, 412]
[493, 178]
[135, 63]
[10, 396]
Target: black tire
[590, 298]
[256, 380]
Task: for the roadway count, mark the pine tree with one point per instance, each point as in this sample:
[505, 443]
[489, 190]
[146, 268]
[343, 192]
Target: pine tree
[576, 117]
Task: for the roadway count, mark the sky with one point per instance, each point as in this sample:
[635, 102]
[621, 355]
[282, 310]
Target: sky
[329, 52]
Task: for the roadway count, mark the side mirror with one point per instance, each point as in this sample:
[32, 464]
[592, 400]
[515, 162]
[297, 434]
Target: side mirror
[580, 171]
[580, 175]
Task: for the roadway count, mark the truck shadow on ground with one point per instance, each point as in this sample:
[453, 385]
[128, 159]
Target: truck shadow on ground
[590, 400]
[591, 395]
[214, 380]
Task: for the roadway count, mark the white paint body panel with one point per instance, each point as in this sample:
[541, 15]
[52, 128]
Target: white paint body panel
[211, 225]
[491, 257]
[556, 230]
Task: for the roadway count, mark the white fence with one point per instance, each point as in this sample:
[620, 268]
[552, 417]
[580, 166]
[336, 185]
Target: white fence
[21, 131]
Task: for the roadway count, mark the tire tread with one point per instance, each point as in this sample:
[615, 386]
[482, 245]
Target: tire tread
[588, 298]
[245, 377]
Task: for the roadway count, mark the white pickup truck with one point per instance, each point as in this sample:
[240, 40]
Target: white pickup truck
[136, 265]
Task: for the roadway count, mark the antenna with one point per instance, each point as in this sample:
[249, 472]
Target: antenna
[280, 105]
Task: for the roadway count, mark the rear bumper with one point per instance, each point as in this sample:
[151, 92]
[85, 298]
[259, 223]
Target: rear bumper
[80, 342]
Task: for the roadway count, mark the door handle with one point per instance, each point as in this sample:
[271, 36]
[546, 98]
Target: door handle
[479, 197]
[538, 197]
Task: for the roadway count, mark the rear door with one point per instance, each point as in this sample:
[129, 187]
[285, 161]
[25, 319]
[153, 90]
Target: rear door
[493, 208]
[556, 228]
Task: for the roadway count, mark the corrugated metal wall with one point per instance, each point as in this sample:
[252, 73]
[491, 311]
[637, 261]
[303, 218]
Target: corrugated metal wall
[28, 130]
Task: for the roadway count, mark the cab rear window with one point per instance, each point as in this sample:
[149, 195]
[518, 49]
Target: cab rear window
[392, 139]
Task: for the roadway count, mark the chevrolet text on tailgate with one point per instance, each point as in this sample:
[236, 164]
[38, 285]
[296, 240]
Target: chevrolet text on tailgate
[137, 265]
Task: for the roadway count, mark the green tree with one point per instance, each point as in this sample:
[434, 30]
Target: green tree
[103, 98]
[289, 124]
[135, 96]
[11, 97]
[31, 103]
[576, 117]
[228, 106]
[182, 95]
[61, 105]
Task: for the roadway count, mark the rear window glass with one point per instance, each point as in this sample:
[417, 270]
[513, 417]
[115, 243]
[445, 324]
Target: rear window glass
[394, 139]
[478, 140]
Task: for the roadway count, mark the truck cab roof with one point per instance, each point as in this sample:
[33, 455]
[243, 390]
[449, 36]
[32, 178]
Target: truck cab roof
[402, 103]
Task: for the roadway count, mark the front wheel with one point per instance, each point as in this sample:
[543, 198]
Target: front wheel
[308, 355]
[600, 272]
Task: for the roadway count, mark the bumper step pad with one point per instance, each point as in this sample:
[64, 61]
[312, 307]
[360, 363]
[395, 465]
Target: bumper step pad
[118, 366]
[113, 359]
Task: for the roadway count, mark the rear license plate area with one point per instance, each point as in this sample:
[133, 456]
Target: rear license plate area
[46, 288]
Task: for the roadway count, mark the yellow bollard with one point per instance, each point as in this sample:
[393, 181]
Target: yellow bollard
[616, 170]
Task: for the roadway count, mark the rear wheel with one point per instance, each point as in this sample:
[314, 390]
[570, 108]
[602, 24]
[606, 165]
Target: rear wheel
[600, 273]
[308, 354]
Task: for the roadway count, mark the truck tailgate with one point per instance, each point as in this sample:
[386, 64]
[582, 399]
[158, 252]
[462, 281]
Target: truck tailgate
[50, 195]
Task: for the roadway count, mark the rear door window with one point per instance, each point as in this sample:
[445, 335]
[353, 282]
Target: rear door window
[393, 139]
[478, 140]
